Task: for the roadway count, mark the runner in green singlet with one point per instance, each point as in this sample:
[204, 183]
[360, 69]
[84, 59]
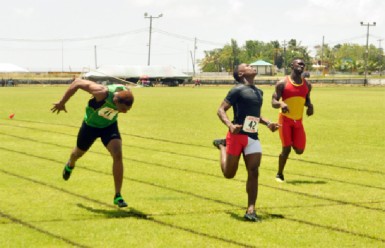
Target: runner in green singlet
[100, 120]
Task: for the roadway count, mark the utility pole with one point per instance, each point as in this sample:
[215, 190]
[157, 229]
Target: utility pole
[367, 49]
[322, 55]
[193, 62]
[284, 57]
[96, 60]
[195, 49]
[62, 56]
[149, 39]
[322, 49]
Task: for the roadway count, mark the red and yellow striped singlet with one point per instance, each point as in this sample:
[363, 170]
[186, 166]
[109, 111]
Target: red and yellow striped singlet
[294, 95]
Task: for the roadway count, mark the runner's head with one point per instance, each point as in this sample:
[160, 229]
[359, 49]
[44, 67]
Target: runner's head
[244, 71]
[124, 100]
[298, 66]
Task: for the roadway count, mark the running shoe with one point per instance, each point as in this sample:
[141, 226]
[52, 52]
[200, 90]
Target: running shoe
[118, 200]
[251, 217]
[67, 172]
[218, 142]
[280, 178]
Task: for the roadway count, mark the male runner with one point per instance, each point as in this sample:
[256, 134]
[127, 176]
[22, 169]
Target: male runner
[242, 137]
[100, 120]
[294, 90]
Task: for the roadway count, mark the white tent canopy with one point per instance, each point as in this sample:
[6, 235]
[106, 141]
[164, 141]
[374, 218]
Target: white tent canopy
[126, 71]
[7, 68]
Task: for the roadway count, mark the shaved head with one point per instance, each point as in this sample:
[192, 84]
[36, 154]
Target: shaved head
[125, 97]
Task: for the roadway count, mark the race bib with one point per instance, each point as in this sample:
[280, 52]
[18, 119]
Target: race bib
[251, 124]
[107, 113]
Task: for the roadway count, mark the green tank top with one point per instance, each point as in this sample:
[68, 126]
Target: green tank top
[104, 113]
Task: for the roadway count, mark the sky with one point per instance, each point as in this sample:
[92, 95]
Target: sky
[80, 35]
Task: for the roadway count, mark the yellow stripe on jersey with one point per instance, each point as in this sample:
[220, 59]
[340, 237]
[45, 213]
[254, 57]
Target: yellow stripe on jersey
[295, 105]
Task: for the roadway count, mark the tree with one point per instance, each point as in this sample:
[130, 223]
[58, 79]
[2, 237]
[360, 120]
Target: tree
[278, 57]
[342, 57]
[221, 59]
[349, 58]
[210, 63]
[294, 51]
[235, 53]
[375, 60]
[224, 59]
[258, 50]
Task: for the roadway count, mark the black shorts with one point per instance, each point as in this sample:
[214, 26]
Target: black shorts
[87, 135]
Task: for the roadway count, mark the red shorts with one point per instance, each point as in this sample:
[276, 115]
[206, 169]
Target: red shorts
[292, 132]
[241, 143]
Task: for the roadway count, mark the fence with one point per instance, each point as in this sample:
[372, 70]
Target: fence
[205, 79]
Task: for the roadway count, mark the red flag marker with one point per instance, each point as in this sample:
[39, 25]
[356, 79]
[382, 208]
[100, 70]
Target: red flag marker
[11, 116]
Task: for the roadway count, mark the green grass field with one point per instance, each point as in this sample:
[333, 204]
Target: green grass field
[334, 195]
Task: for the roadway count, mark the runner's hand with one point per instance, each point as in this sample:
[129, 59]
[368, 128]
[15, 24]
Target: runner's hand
[234, 129]
[310, 110]
[57, 107]
[284, 108]
[274, 126]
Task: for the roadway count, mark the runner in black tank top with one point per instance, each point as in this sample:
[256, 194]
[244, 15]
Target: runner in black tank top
[242, 137]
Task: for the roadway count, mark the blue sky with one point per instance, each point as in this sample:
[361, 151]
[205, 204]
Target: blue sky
[81, 34]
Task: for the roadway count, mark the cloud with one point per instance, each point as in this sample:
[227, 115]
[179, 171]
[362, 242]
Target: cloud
[24, 12]
[236, 6]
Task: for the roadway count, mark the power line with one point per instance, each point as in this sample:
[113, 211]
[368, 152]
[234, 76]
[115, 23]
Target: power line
[375, 36]
[192, 39]
[173, 35]
[347, 40]
[76, 39]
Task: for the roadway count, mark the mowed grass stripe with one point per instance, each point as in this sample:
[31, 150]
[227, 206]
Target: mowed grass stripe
[212, 175]
[128, 146]
[73, 134]
[149, 217]
[40, 230]
[202, 173]
[120, 213]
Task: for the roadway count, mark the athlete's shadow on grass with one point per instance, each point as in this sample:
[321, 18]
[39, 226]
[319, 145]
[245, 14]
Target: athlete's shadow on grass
[262, 217]
[296, 182]
[119, 213]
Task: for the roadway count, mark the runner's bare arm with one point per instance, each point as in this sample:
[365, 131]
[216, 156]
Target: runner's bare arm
[97, 90]
[275, 101]
[308, 103]
[225, 119]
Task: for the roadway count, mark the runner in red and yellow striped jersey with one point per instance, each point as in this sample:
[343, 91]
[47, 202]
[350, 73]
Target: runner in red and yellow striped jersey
[294, 92]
